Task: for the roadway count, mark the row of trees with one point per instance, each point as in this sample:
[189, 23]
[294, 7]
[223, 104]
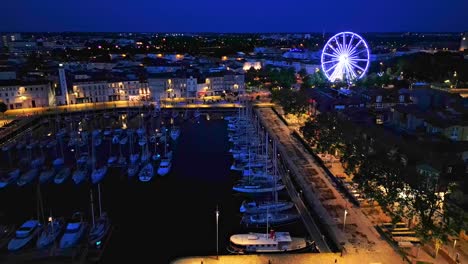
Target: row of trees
[385, 176]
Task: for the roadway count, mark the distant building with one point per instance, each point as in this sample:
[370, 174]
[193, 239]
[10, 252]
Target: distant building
[16, 94]
[7, 75]
[464, 42]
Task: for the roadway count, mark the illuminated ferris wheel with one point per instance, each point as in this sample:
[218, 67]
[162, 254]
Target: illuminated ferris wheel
[345, 57]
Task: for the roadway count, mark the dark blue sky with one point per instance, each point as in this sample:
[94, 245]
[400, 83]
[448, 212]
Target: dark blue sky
[234, 16]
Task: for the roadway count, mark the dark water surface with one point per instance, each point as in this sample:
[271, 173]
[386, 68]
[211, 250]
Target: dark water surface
[157, 221]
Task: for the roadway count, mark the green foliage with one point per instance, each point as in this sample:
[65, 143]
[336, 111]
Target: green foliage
[292, 102]
[383, 178]
[3, 107]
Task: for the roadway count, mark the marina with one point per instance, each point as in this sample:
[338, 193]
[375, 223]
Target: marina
[129, 198]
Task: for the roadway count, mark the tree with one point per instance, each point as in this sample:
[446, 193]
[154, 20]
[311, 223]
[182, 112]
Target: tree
[292, 102]
[3, 108]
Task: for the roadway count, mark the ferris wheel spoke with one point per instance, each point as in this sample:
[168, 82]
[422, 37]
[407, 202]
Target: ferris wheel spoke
[357, 66]
[357, 52]
[332, 61]
[336, 53]
[351, 71]
[331, 55]
[348, 47]
[340, 50]
[355, 47]
[353, 58]
[331, 68]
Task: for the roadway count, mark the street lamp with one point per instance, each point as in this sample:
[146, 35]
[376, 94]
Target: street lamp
[217, 217]
[454, 244]
[344, 219]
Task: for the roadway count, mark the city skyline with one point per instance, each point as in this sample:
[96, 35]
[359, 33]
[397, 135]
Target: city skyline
[241, 17]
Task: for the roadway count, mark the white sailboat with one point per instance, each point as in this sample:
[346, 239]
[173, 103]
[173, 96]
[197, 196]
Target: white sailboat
[175, 132]
[74, 231]
[28, 177]
[62, 175]
[100, 226]
[11, 177]
[50, 232]
[97, 173]
[166, 162]
[146, 173]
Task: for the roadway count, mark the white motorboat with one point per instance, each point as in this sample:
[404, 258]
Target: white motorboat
[146, 173]
[274, 242]
[11, 177]
[50, 233]
[98, 174]
[255, 207]
[27, 177]
[62, 175]
[24, 234]
[46, 175]
[99, 230]
[164, 167]
[74, 231]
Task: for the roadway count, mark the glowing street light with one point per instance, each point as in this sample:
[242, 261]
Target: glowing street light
[217, 217]
[344, 219]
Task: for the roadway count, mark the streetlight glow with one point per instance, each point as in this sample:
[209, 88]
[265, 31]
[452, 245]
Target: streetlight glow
[344, 219]
[217, 217]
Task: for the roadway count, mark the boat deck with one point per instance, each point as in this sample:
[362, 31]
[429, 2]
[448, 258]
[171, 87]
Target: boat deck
[81, 254]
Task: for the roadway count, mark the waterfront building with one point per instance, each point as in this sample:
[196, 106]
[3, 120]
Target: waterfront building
[17, 94]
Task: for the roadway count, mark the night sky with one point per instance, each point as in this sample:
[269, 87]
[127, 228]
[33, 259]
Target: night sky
[234, 16]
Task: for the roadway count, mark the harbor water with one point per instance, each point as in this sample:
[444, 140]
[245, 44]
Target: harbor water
[157, 221]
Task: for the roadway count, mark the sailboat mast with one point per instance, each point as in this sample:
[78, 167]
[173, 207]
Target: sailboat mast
[92, 205]
[99, 199]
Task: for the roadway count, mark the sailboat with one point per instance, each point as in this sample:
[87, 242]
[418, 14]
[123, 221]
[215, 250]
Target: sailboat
[62, 175]
[28, 176]
[97, 173]
[101, 225]
[175, 132]
[47, 174]
[147, 172]
[271, 205]
[50, 233]
[74, 231]
[166, 161]
[12, 176]
[82, 168]
[30, 229]
[134, 165]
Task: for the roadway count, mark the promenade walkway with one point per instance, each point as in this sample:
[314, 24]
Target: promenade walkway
[358, 235]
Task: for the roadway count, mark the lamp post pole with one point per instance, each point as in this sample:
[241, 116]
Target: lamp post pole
[217, 217]
[344, 219]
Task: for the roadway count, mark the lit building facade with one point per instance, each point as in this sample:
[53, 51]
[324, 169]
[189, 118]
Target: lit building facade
[22, 95]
